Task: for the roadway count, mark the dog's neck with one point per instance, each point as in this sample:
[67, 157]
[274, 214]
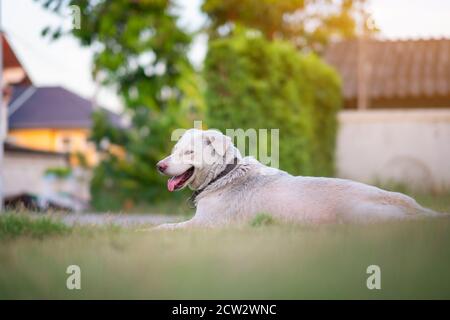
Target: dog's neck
[215, 177]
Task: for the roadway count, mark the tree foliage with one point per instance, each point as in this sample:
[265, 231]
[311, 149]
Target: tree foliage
[140, 51]
[308, 24]
[255, 83]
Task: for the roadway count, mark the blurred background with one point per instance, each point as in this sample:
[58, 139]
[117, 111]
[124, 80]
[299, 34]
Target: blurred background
[93, 89]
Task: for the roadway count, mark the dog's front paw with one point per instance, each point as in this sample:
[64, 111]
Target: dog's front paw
[167, 226]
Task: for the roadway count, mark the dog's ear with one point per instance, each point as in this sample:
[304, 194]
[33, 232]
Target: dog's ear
[219, 141]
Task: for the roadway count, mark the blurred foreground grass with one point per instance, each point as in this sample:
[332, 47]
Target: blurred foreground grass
[263, 261]
[15, 225]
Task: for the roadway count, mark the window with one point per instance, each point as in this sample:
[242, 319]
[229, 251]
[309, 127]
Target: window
[66, 144]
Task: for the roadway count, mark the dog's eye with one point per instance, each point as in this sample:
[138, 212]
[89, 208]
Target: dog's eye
[188, 152]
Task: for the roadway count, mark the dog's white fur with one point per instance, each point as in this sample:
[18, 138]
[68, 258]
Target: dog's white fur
[252, 188]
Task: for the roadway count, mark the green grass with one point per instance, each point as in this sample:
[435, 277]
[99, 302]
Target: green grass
[262, 219]
[271, 261]
[15, 225]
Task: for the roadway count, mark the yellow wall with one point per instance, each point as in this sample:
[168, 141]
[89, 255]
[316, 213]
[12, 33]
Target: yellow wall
[54, 140]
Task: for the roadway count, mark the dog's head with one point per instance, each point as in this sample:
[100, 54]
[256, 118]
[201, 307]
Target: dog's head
[194, 156]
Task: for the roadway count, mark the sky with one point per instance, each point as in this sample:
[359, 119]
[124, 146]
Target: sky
[65, 63]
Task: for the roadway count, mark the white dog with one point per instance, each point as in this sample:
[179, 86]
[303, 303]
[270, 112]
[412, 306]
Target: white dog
[230, 189]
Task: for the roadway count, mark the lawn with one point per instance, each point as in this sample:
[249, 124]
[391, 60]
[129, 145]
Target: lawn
[261, 260]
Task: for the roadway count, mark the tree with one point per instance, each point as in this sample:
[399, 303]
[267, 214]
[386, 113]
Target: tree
[140, 51]
[261, 84]
[308, 24]
[256, 79]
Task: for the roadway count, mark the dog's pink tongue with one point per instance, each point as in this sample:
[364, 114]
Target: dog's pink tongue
[171, 184]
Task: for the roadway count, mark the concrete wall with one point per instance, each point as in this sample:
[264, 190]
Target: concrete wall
[411, 147]
[24, 172]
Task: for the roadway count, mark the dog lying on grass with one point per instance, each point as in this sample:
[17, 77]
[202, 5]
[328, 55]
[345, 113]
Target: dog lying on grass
[230, 189]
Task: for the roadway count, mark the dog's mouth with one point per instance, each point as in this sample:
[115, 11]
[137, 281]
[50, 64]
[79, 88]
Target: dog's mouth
[178, 182]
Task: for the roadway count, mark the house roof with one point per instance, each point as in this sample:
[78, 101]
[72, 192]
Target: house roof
[51, 107]
[10, 61]
[395, 69]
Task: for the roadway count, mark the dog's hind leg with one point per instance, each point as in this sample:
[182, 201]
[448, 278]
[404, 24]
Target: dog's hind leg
[410, 205]
[369, 212]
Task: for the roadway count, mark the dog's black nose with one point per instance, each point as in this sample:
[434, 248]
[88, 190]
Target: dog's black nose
[161, 167]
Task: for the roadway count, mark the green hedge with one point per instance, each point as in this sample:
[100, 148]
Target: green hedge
[255, 83]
